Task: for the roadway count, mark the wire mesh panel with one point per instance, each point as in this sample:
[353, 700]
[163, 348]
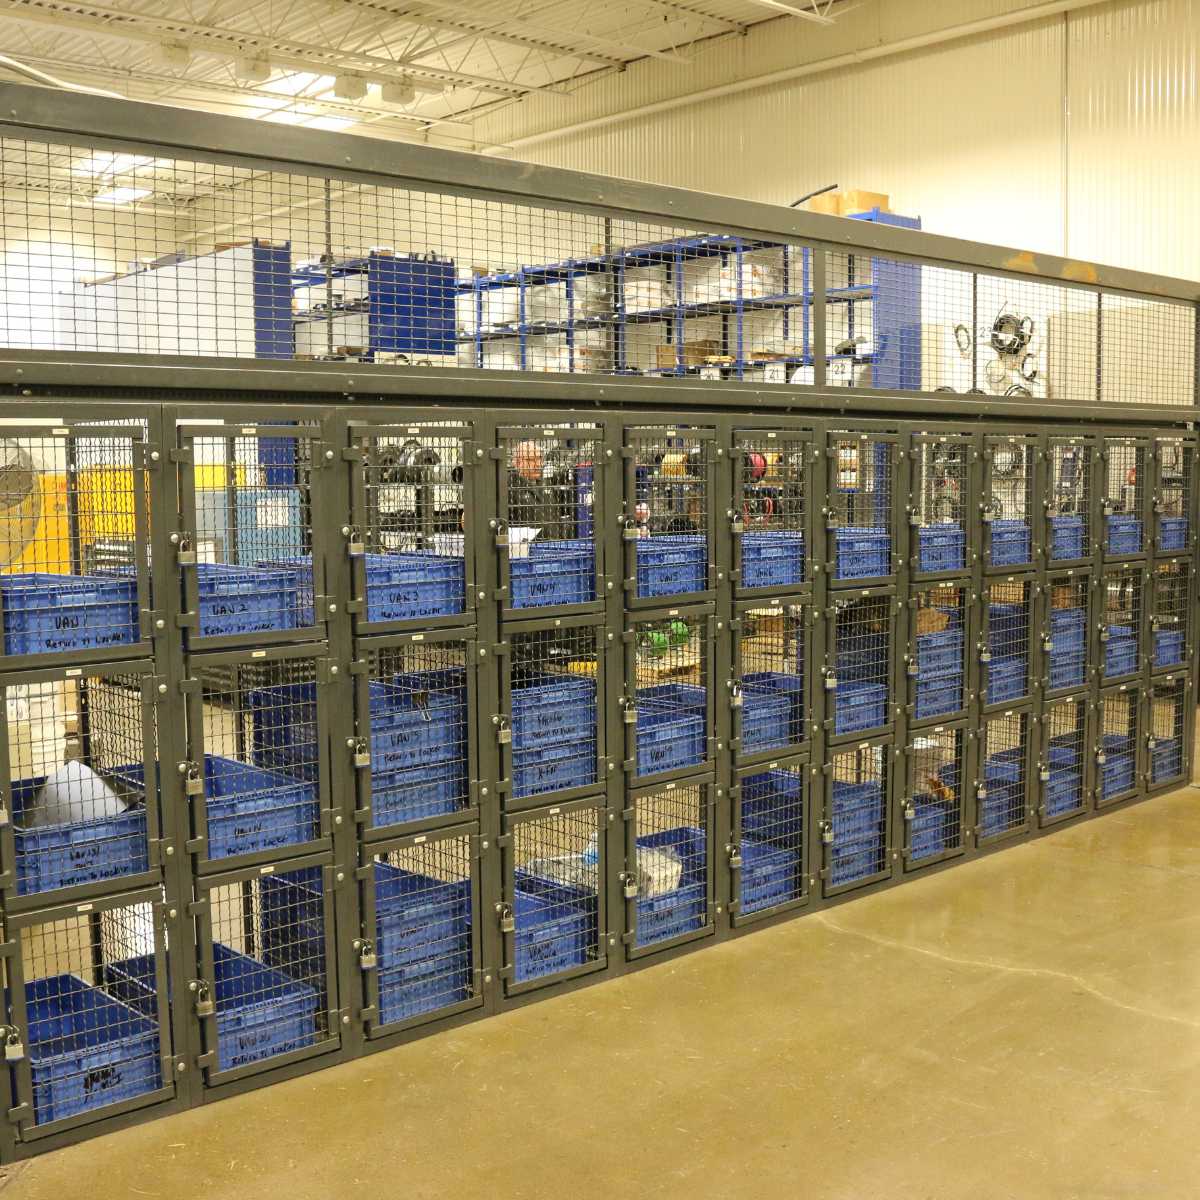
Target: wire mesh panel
[1063, 762]
[80, 792]
[1117, 744]
[858, 508]
[550, 552]
[858, 682]
[769, 698]
[412, 512]
[414, 743]
[1125, 463]
[1002, 775]
[939, 504]
[667, 879]
[1009, 489]
[259, 765]
[668, 715]
[267, 991]
[1170, 615]
[1167, 736]
[1121, 620]
[933, 803]
[552, 913]
[1175, 459]
[246, 548]
[1006, 648]
[419, 949]
[1147, 351]
[668, 510]
[1070, 465]
[769, 855]
[769, 516]
[1065, 664]
[856, 827]
[74, 532]
[550, 733]
[89, 1032]
[935, 661]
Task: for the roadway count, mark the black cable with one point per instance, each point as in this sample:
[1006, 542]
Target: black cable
[962, 336]
[1029, 368]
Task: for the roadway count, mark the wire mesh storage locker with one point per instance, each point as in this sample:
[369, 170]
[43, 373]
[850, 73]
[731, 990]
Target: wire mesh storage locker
[411, 521]
[1174, 459]
[857, 677]
[1121, 595]
[1123, 502]
[414, 748]
[1171, 588]
[935, 660]
[856, 825]
[860, 518]
[1118, 745]
[1070, 521]
[1002, 775]
[1010, 486]
[941, 503]
[770, 509]
[1066, 631]
[1170, 722]
[933, 800]
[768, 853]
[1064, 765]
[768, 694]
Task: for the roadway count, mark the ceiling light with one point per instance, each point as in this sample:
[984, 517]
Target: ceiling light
[350, 87]
[252, 70]
[121, 195]
[110, 164]
[399, 91]
[174, 56]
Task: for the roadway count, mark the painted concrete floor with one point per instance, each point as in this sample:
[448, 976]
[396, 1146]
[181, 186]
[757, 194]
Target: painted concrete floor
[1024, 1026]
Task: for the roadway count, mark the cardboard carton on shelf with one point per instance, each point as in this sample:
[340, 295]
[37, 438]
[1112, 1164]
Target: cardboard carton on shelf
[691, 354]
[932, 620]
[856, 200]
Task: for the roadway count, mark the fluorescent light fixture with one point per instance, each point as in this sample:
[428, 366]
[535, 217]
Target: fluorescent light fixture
[350, 87]
[110, 164]
[252, 70]
[121, 195]
[398, 91]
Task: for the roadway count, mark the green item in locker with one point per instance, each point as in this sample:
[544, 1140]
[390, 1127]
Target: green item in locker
[679, 633]
[655, 642]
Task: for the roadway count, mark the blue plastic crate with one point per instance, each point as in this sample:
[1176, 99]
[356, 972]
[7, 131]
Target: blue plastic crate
[941, 548]
[1011, 543]
[857, 859]
[930, 828]
[1064, 791]
[553, 573]
[56, 614]
[553, 768]
[851, 824]
[250, 809]
[939, 653]
[1172, 534]
[669, 564]
[939, 695]
[1169, 648]
[77, 852]
[1008, 627]
[668, 740]
[848, 797]
[772, 559]
[1068, 628]
[1064, 751]
[1004, 767]
[556, 926]
[1116, 774]
[424, 986]
[1124, 534]
[773, 809]
[770, 876]
[861, 656]
[293, 921]
[431, 790]
[1067, 538]
[1116, 743]
[1068, 668]
[683, 909]
[1007, 678]
[549, 709]
[859, 706]
[1166, 759]
[262, 599]
[999, 815]
[862, 553]
[86, 1049]
[1120, 651]
[418, 917]
[761, 690]
[414, 585]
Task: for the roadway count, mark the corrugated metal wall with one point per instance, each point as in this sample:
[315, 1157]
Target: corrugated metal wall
[1077, 133]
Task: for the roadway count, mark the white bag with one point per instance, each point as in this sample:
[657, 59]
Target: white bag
[71, 794]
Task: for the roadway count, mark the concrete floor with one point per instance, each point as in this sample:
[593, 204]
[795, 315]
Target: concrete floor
[1024, 1026]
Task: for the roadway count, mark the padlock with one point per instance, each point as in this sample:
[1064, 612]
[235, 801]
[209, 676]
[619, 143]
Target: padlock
[630, 531]
[735, 858]
[503, 733]
[14, 1048]
[1101, 757]
[735, 698]
[355, 546]
[827, 832]
[985, 656]
[1109, 508]
[912, 667]
[3, 815]
[367, 958]
[988, 514]
[737, 525]
[508, 922]
[204, 1003]
[630, 888]
[193, 784]
[830, 682]
[1044, 774]
[1104, 635]
[629, 714]
[914, 518]
[1047, 644]
[909, 812]
[502, 542]
[1151, 742]
[361, 752]
[981, 793]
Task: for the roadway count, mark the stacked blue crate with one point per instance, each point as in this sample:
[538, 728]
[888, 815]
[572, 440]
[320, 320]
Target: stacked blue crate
[939, 668]
[409, 586]
[59, 614]
[555, 925]
[1172, 534]
[1067, 538]
[941, 547]
[1124, 535]
[1120, 650]
[772, 559]
[772, 710]
[1011, 542]
[243, 600]
[859, 699]
[1002, 806]
[861, 552]
[1068, 653]
[770, 876]
[669, 564]
[1008, 650]
[684, 908]
[1166, 759]
[1117, 770]
[859, 822]
[932, 827]
[1064, 788]
[1169, 646]
[672, 724]
[422, 942]
[553, 572]
[553, 733]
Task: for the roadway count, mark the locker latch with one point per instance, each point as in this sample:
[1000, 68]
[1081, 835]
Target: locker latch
[504, 914]
[185, 554]
[360, 751]
[14, 1048]
[735, 856]
[204, 1002]
[629, 885]
[193, 782]
[368, 960]
[914, 518]
[827, 832]
[503, 731]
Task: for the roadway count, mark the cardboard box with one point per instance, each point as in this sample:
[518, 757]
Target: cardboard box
[692, 354]
[855, 200]
[932, 620]
[1062, 595]
[1007, 593]
[829, 203]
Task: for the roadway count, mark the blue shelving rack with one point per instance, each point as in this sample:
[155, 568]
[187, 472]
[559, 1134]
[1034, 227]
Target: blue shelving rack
[892, 288]
[408, 303]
